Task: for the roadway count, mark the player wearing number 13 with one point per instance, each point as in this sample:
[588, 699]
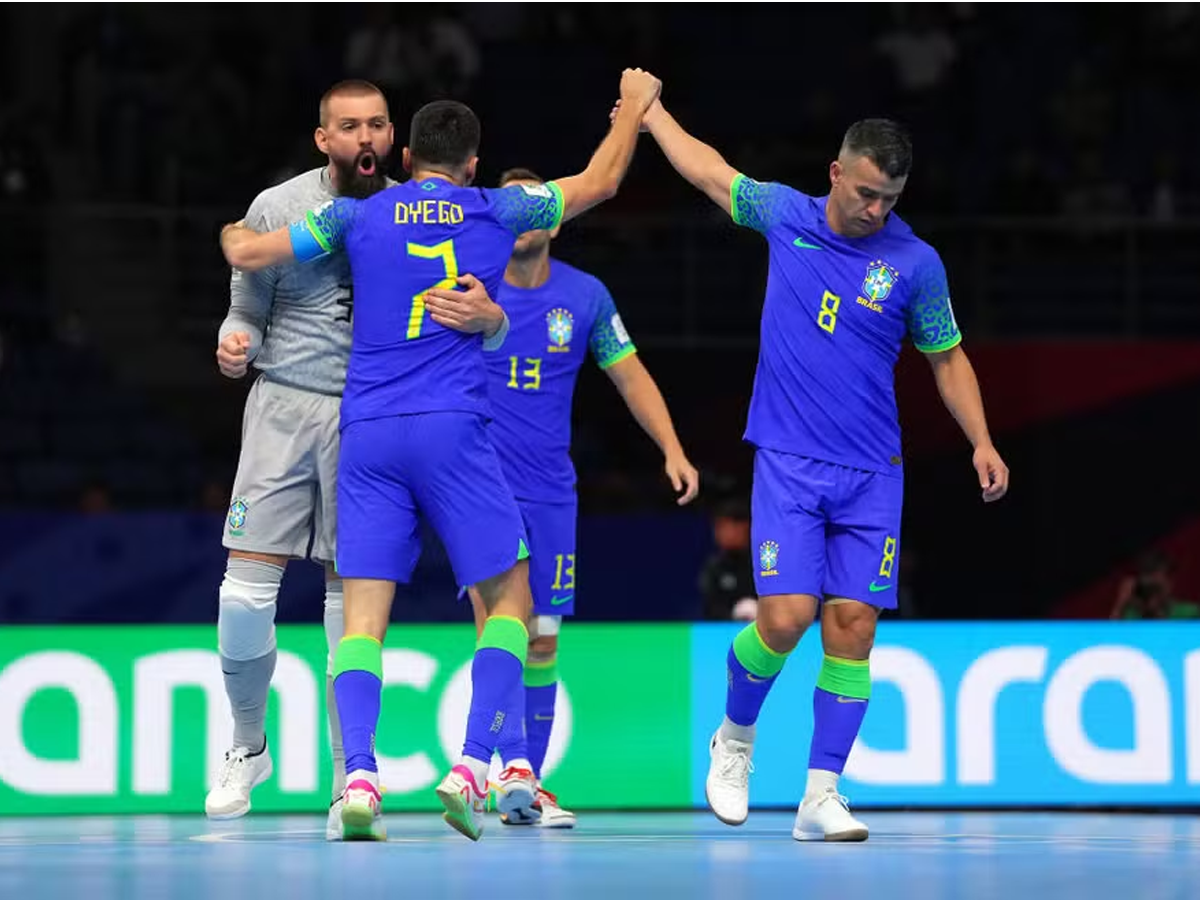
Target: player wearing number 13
[847, 281]
[413, 422]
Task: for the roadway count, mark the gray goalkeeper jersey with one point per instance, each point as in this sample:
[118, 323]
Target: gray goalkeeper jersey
[298, 316]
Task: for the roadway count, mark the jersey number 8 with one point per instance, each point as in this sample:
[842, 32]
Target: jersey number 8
[827, 317]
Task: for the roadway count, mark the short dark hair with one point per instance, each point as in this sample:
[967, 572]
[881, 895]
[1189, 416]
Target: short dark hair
[351, 87]
[883, 142]
[508, 176]
[444, 133]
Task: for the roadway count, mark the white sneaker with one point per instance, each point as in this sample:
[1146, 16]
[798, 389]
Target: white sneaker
[239, 775]
[362, 812]
[333, 823]
[826, 817]
[553, 815]
[465, 803]
[545, 813]
[727, 787]
[516, 792]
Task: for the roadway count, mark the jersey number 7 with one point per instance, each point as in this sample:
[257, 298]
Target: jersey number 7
[445, 252]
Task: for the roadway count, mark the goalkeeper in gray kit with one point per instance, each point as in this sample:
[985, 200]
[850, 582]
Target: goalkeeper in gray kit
[293, 324]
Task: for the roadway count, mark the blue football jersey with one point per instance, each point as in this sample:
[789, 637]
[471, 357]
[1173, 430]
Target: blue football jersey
[402, 242]
[531, 382]
[836, 312]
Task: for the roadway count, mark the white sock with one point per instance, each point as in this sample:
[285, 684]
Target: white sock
[335, 739]
[731, 731]
[335, 628]
[819, 782]
[479, 771]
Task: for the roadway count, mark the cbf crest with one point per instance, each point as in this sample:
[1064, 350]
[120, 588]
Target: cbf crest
[880, 280]
[560, 328]
[237, 516]
[768, 557]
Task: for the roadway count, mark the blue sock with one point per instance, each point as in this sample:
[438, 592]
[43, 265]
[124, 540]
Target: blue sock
[497, 717]
[753, 668]
[358, 685]
[839, 705]
[541, 690]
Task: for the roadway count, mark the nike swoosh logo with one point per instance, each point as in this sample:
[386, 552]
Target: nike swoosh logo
[876, 588]
[559, 601]
[802, 243]
[538, 717]
[750, 677]
[841, 699]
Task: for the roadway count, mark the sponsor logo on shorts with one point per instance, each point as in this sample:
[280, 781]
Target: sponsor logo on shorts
[768, 556]
[842, 699]
[237, 516]
[755, 679]
[559, 601]
[876, 588]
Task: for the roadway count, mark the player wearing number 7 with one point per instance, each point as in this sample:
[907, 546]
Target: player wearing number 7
[847, 281]
[414, 436]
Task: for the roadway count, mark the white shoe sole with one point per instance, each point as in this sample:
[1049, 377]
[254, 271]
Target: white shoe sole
[849, 836]
[733, 822]
[560, 822]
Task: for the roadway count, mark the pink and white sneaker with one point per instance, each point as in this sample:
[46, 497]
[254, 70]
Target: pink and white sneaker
[362, 811]
[465, 803]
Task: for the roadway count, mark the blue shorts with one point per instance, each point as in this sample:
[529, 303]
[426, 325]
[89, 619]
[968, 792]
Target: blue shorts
[441, 465]
[551, 531]
[825, 529]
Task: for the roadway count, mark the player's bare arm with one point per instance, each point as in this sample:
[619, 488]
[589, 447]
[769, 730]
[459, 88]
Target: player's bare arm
[250, 251]
[696, 161]
[959, 389]
[467, 308]
[641, 394]
[608, 165]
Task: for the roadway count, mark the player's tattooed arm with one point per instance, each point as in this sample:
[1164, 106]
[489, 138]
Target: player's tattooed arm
[250, 251]
[701, 165]
[608, 165]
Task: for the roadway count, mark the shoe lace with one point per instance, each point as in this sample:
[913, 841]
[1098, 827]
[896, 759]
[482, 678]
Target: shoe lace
[516, 772]
[544, 796]
[736, 766]
[840, 799]
[234, 768]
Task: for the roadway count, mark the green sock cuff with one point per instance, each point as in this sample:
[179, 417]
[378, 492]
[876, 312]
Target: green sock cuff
[846, 677]
[541, 674]
[754, 654]
[359, 652]
[505, 633]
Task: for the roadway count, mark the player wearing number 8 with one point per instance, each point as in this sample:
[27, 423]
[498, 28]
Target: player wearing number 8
[413, 428]
[847, 282]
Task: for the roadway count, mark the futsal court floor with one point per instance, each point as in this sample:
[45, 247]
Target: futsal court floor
[613, 856]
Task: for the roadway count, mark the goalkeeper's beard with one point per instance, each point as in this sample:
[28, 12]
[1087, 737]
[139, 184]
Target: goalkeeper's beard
[351, 181]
